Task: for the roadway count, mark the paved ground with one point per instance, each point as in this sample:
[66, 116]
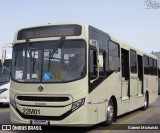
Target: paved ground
[150, 116]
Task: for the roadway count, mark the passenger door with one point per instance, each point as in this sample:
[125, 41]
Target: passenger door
[133, 80]
[140, 76]
[125, 74]
[125, 80]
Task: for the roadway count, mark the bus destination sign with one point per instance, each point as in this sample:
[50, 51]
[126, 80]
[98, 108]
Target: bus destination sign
[49, 31]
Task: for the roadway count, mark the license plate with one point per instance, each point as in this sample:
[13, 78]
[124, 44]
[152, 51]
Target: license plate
[29, 111]
[39, 122]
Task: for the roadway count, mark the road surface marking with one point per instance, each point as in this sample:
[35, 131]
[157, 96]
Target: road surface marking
[125, 121]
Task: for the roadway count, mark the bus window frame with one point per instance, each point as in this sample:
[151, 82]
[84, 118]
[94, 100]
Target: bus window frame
[135, 52]
[117, 70]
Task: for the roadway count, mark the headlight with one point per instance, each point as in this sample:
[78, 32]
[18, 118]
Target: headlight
[13, 103]
[77, 104]
[3, 90]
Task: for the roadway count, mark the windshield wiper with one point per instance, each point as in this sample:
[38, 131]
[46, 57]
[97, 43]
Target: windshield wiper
[30, 49]
[59, 45]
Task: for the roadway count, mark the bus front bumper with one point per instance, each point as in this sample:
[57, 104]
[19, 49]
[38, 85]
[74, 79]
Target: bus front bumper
[77, 118]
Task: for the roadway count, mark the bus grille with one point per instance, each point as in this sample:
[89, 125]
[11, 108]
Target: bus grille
[42, 99]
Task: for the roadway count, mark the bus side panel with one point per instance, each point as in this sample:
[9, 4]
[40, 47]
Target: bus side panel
[103, 92]
[153, 93]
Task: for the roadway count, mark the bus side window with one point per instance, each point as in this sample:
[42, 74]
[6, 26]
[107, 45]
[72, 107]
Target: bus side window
[125, 63]
[114, 60]
[133, 61]
[151, 66]
[155, 69]
[146, 64]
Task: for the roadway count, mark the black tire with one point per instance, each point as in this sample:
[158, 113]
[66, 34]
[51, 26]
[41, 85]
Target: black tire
[1, 104]
[145, 102]
[110, 113]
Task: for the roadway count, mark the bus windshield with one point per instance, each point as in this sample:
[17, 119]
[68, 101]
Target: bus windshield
[36, 62]
[4, 71]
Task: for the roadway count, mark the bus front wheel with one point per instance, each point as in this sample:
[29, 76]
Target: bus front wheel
[110, 113]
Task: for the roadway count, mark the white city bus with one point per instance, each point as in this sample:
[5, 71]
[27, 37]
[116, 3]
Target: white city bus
[5, 81]
[74, 74]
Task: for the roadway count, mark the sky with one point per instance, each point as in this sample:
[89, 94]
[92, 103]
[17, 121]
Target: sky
[128, 20]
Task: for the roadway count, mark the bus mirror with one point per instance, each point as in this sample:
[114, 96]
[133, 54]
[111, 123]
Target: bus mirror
[95, 44]
[100, 60]
[3, 56]
[8, 45]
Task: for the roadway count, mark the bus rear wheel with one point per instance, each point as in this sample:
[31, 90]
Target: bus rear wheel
[145, 102]
[110, 113]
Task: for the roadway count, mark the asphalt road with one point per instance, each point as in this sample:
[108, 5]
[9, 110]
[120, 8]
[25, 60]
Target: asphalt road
[150, 116]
